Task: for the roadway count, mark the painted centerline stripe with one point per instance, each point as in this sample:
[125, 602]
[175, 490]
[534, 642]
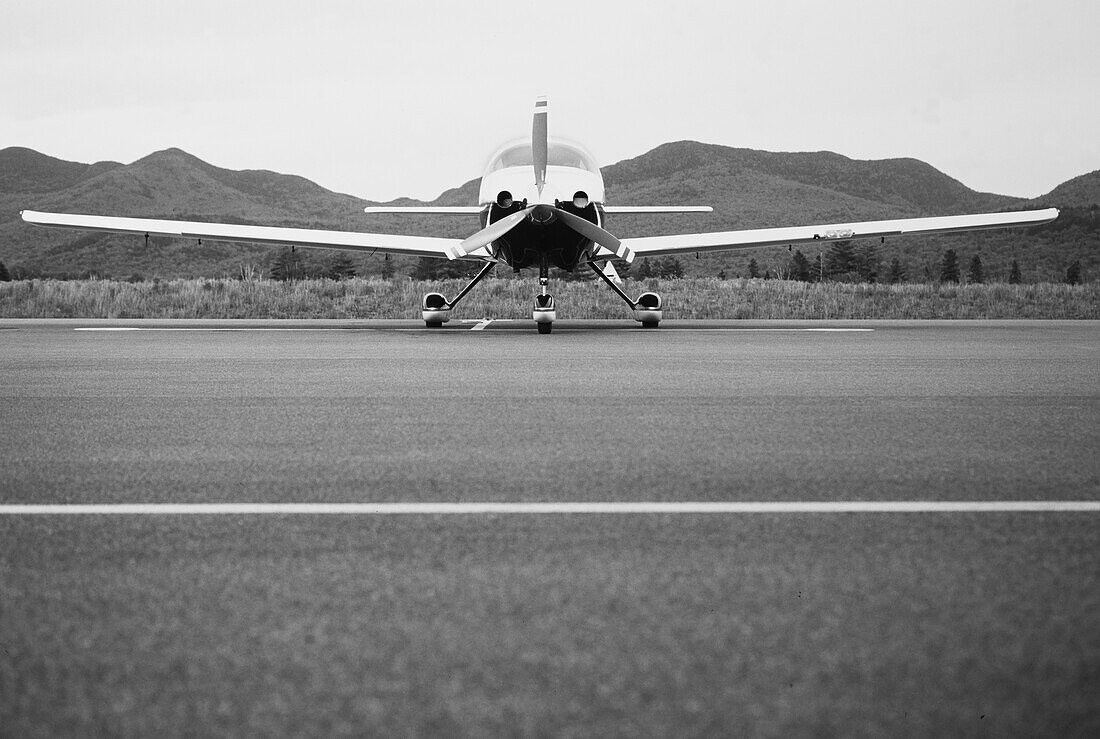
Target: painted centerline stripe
[380, 509]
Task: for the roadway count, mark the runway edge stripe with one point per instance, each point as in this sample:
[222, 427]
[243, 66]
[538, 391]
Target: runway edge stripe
[136, 509]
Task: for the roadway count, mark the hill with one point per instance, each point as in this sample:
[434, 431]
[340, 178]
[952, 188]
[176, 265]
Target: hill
[748, 189]
[27, 171]
[755, 186]
[1080, 192]
[758, 189]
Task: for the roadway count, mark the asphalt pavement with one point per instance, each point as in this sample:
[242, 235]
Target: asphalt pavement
[856, 624]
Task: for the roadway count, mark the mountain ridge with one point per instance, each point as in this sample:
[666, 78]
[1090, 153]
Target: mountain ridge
[748, 189]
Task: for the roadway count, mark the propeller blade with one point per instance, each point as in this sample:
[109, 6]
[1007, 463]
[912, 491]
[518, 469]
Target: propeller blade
[491, 233]
[538, 143]
[591, 231]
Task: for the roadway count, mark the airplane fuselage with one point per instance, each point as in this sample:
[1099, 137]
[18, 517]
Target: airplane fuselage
[572, 183]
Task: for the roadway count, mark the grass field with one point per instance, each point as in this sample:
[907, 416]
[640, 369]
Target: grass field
[699, 298]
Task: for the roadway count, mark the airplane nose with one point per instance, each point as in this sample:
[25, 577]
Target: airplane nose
[542, 214]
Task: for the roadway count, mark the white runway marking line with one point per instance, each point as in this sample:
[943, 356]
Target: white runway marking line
[775, 330]
[479, 325]
[382, 509]
[216, 328]
[483, 323]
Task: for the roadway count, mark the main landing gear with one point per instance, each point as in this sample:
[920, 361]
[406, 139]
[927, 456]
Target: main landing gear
[647, 308]
[437, 309]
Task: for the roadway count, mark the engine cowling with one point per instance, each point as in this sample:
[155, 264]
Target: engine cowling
[647, 310]
[435, 310]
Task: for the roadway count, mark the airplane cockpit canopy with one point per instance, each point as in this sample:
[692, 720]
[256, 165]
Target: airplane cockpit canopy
[558, 153]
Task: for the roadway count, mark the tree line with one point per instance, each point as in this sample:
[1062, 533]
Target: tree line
[843, 262]
[846, 262]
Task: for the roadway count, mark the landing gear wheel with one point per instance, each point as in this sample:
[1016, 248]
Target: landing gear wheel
[544, 328]
[650, 324]
[434, 324]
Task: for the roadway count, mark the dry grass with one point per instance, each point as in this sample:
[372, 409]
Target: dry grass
[701, 298]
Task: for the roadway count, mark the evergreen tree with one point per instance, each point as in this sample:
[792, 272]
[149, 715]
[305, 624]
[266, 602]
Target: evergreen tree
[799, 267]
[1073, 274]
[388, 268]
[949, 267]
[896, 274]
[840, 259]
[340, 267]
[4, 275]
[669, 268]
[645, 271]
[866, 262]
[427, 268]
[975, 274]
[754, 269]
[721, 274]
[431, 268]
[287, 265]
[623, 267]
[1014, 277]
[816, 272]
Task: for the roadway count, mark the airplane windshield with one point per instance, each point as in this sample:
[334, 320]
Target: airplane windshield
[557, 154]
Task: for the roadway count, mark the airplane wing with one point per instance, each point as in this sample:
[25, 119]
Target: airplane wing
[418, 246]
[731, 240]
[612, 210]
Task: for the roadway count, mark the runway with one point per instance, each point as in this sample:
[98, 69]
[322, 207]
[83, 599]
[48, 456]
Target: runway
[374, 412]
[668, 620]
[553, 509]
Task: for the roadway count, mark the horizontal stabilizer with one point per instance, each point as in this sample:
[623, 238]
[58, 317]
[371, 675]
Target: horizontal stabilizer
[632, 209]
[431, 210]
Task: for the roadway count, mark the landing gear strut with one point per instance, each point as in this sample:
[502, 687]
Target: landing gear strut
[545, 311]
[437, 309]
[647, 308]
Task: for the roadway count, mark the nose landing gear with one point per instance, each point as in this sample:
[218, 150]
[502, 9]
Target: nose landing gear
[545, 310]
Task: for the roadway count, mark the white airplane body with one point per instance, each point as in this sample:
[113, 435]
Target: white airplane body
[553, 218]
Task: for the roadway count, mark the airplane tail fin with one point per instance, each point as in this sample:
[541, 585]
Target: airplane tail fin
[539, 142]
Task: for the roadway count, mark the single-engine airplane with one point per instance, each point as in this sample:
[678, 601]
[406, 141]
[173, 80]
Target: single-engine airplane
[541, 204]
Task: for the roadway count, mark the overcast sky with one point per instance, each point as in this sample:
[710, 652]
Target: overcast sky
[387, 99]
